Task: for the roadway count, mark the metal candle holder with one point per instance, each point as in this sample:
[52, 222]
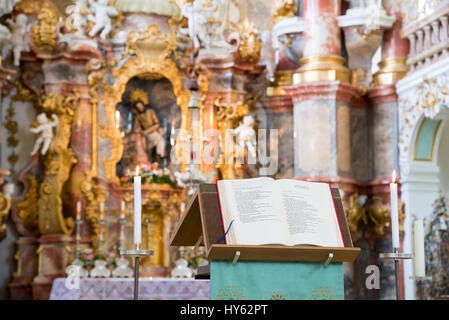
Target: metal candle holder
[396, 256]
[419, 281]
[122, 222]
[136, 253]
[78, 223]
[102, 223]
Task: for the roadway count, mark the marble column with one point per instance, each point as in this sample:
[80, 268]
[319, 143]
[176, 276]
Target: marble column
[395, 49]
[325, 103]
[279, 116]
[322, 58]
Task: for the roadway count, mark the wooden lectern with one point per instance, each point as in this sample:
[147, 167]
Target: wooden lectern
[202, 225]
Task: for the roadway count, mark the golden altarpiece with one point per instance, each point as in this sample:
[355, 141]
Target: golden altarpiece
[95, 86]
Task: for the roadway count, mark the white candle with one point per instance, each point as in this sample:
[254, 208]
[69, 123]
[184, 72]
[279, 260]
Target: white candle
[183, 206]
[137, 208]
[101, 210]
[117, 118]
[122, 211]
[394, 211]
[78, 210]
[419, 256]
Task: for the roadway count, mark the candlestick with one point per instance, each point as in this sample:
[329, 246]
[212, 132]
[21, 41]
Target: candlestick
[397, 257]
[78, 223]
[394, 211]
[137, 208]
[419, 255]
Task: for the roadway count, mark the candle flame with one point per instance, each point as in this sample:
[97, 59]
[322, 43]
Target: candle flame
[394, 177]
[137, 170]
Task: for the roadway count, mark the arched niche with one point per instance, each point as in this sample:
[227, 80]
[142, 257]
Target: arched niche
[157, 94]
[148, 55]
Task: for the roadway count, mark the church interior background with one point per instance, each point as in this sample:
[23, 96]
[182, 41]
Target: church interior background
[91, 88]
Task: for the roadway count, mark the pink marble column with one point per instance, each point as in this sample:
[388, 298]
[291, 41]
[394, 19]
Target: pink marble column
[393, 44]
[395, 49]
[321, 31]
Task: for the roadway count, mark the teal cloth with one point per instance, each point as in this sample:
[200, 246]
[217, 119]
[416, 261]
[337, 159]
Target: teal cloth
[256, 280]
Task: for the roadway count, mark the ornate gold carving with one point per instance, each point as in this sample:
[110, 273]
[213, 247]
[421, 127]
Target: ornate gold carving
[18, 272]
[12, 142]
[96, 70]
[23, 94]
[94, 195]
[31, 7]
[150, 54]
[5, 206]
[286, 9]
[227, 116]
[378, 215]
[150, 44]
[355, 214]
[390, 71]
[250, 43]
[28, 209]
[45, 31]
[58, 162]
[401, 216]
[158, 218]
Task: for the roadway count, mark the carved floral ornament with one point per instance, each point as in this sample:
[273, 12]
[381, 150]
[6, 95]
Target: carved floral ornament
[428, 99]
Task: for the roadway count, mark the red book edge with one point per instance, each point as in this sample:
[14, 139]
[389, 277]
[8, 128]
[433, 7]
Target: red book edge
[335, 209]
[221, 213]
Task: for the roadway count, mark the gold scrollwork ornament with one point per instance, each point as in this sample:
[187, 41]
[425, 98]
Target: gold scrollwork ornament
[58, 163]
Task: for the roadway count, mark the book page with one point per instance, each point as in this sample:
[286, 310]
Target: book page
[253, 205]
[310, 213]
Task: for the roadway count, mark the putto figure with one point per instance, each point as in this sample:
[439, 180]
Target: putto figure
[246, 136]
[45, 131]
[102, 17]
[19, 39]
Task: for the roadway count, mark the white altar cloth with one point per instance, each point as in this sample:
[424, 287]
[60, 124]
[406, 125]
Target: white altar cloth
[123, 289]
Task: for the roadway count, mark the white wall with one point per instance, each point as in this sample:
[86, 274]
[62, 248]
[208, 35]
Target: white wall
[443, 160]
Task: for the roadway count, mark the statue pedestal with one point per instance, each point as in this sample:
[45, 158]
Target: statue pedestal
[20, 286]
[53, 257]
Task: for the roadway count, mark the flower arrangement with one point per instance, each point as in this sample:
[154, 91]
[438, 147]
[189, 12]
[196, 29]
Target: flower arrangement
[192, 256]
[88, 258]
[151, 173]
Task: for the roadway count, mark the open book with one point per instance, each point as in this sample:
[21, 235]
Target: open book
[288, 212]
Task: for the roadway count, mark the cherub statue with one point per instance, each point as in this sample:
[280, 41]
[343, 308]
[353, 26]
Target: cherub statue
[102, 19]
[246, 136]
[45, 129]
[19, 40]
[205, 16]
